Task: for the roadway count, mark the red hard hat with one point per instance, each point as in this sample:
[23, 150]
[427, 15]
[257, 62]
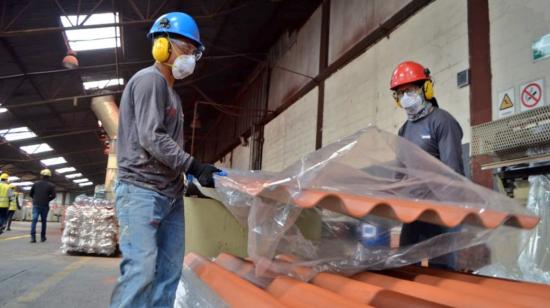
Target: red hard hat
[408, 72]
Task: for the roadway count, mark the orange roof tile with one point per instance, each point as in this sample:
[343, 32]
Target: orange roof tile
[404, 210]
[471, 289]
[405, 287]
[232, 289]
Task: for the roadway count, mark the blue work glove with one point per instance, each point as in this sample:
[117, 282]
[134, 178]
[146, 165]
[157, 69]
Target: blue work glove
[203, 172]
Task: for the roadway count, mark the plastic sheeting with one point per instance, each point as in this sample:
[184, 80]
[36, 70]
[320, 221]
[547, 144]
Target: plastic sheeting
[90, 227]
[370, 163]
[192, 292]
[533, 247]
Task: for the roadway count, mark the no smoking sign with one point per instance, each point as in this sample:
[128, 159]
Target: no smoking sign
[532, 95]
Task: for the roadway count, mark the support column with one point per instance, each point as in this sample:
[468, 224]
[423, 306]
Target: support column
[479, 47]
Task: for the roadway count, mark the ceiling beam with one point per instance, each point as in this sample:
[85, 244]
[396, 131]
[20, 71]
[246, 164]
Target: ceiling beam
[59, 29]
[23, 68]
[14, 19]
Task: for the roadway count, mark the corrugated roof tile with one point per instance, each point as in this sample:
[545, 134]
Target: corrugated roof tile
[233, 290]
[410, 286]
[404, 210]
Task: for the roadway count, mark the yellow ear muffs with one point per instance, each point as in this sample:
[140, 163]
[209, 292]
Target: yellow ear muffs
[428, 89]
[161, 49]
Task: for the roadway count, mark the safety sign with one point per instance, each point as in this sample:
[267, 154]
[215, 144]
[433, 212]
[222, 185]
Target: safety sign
[532, 95]
[506, 106]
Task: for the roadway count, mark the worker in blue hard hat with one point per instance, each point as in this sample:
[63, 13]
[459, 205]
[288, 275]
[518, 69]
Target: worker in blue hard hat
[152, 165]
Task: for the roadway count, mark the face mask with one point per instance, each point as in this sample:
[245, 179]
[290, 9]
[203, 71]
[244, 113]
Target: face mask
[183, 66]
[412, 103]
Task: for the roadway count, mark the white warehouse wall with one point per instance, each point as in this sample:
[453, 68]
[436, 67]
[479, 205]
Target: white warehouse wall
[291, 134]
[241, 158]
[359, 95]
[514, 25]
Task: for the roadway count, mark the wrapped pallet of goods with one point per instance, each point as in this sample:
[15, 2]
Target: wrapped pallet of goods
[90, 227]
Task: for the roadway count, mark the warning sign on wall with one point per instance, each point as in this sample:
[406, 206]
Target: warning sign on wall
[531, 95]
[506, 106]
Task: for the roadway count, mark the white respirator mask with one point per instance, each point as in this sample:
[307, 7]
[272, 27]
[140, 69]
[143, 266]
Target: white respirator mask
[183, 66]
[413, 103]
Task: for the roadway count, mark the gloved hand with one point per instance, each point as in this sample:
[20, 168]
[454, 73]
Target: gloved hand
[203, 172]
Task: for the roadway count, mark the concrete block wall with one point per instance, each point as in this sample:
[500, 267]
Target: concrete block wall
[514, 27]
[359, 95]
[291, 134]
[241, 158]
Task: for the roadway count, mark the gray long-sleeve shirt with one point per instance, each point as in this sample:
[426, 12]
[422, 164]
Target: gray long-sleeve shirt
[438, 134]
[150, 148]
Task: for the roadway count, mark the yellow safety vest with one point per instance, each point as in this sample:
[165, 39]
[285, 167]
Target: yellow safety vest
[13, 202]
[4, 195]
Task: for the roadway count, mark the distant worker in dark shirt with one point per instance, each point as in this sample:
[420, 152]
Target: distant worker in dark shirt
[42, 192]
[432, 129]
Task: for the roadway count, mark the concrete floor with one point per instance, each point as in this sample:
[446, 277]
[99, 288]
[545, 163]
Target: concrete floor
[40, 275]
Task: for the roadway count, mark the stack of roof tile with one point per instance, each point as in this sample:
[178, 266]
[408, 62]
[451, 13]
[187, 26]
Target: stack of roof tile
[233, 280]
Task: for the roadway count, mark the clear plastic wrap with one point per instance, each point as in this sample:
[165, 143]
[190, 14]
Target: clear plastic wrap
[370, 163]
[529, 258]
[192, 292]
[90, 227]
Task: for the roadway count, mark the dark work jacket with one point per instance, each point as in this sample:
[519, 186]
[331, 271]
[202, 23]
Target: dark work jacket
[439, 134]
[42, 192]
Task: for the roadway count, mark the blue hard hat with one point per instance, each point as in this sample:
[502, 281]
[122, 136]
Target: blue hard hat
[177, 23]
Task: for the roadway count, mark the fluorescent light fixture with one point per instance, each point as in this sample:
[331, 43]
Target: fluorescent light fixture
[2, 110]
[85, 184]
[74, 175]
[27, 188]
[91, 39]
[23, 184]
[54, 161]
[101, 84]
[65, 170]
[13, 179]
[36, 148]
[18, 133]
[81, 180]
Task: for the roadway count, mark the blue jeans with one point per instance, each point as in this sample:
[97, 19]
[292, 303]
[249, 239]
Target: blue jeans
[152, 233]
[3, 218]
[43, 213]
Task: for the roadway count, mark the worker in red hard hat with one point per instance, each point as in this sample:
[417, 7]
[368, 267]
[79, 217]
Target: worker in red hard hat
[434, 130]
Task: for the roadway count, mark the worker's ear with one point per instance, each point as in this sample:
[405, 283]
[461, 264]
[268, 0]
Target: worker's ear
[161, 49]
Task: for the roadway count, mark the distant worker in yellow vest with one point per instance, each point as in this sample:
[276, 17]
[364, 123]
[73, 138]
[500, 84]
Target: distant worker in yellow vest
[14, 206]
[5, 198]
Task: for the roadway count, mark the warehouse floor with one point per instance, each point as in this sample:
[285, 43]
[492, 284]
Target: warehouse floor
[40, 275]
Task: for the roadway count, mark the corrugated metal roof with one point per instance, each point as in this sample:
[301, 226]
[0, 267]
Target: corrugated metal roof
[234, 281]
